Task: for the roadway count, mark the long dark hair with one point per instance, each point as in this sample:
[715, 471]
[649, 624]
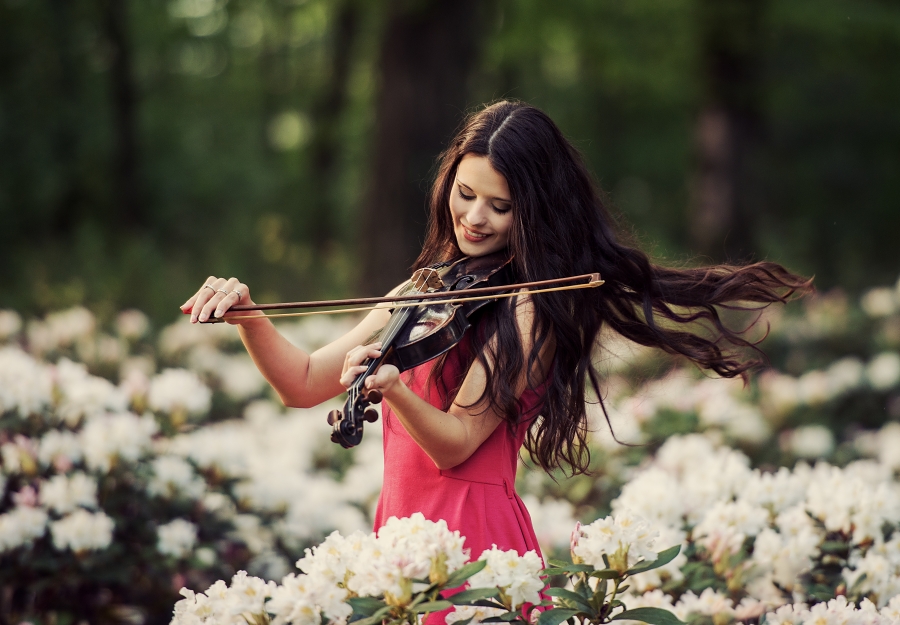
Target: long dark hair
[561, 227]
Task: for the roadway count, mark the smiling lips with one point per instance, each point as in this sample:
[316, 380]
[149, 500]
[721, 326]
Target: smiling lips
[475, 237]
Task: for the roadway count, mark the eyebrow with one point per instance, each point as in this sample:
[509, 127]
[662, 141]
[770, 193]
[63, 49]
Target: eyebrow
[499, 199]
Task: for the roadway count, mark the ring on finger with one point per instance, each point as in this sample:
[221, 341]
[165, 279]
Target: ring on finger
[209, 286]
[222, 291]
[239, 294]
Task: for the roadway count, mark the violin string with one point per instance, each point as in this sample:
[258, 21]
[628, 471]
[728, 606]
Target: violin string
[340, 311]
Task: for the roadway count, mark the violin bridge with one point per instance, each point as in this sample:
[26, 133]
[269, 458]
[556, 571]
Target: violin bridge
[426, 279]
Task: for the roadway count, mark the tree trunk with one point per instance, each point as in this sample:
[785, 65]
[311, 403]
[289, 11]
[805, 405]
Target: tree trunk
[128, 198]
[728, 130]
[326, 122]
[427, 52]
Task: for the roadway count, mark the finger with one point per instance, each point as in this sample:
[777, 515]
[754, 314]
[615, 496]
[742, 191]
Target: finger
[207, 310]
[203, 296]
[229, 299]
[361, 353]
[193, 298]
[350, 375]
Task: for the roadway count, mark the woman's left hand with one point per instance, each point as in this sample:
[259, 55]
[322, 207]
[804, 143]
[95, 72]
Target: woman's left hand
[385, 377]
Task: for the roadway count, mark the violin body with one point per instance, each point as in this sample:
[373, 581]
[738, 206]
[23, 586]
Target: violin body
[414, 336]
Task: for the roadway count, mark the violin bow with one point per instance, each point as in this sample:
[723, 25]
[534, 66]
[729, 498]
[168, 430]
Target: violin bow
[362, 304]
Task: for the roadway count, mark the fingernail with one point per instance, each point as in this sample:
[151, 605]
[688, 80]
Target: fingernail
[218, 313]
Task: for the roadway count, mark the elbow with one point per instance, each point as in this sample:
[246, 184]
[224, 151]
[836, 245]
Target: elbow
[445, 463]
[294, 402]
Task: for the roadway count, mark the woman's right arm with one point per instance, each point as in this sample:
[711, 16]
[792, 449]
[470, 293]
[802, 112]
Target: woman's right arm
[301, 380]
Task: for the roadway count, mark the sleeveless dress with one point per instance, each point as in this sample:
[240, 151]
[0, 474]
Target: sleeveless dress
[476, 497]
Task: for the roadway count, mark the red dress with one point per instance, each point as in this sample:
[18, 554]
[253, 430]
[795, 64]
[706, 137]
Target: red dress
[476, 497]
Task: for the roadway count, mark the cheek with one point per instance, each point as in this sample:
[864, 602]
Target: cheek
[454, 209]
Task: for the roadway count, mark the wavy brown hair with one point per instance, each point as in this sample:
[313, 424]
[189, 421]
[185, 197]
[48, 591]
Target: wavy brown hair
[561, 227]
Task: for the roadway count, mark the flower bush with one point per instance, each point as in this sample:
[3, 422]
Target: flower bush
[135, 462]
[414, 567]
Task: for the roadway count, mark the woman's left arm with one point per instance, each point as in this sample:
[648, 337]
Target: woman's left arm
[449, 438]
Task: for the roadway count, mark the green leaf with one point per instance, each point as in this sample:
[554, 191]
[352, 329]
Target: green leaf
[465, 621]
[433, 606]
[375, 618]
[558, 563]
[834, 546]
[473, 594]
[366, 606]
[606, 574]
[654, 616]
[662, 559]
[556, 571]
[556, 616]
[465, 573]
[568, 595]
[568, 568]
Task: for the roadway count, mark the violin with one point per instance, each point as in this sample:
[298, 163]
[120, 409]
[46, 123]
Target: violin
[430, 314]
[414, 336]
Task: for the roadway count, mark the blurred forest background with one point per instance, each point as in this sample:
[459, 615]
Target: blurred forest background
[146, 145]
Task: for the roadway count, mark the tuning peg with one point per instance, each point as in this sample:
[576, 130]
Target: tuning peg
[334, 416]
[374, 396]
[370, 415]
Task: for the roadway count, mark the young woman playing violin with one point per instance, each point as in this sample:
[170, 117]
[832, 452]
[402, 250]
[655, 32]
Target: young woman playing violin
[453, 427]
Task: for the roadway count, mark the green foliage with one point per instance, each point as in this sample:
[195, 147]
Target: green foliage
[250, 147]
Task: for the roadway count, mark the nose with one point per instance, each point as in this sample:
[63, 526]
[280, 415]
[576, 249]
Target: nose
[478, 215]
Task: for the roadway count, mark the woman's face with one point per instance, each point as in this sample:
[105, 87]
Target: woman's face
[480, 207]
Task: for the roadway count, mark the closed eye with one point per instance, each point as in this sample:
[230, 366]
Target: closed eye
[463, 195]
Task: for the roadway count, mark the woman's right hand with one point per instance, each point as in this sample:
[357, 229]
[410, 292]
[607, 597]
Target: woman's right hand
[216, 296]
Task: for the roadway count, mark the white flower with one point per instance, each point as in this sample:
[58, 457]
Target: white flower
[176, 538]
[811, 441]
[655, 578]
[240, 378]
[179, 389]
[304, 599]
[845, 375]
[59, 448]
[194, 609]
[21, 526]
[172, 475]
[517, 577]
[786, 557]
[709, 603]
[551, 520]
[883, 371]
[60, 329]
[776, 491]
[132, 324]
[472, 614]
[63, 493]
[85, 395]
[880, 302]
[242, 603]
[26, 385]
[887, 445]
[625, 539]
[727, 524]
[248, 594]
[82, 531]
[333, 558]
[787, 615]
[107, 437]
[654, 494]
[10, 324]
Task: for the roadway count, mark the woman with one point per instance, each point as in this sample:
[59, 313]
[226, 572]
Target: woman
[454, 426]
